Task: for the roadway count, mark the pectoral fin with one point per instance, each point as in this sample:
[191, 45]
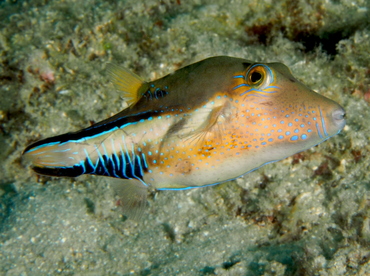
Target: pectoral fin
[200, 128]
[212, 126]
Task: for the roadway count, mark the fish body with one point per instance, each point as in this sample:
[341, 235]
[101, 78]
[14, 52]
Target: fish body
[204, 124]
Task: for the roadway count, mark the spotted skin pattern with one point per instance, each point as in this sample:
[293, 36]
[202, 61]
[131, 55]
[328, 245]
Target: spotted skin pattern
[207, 123]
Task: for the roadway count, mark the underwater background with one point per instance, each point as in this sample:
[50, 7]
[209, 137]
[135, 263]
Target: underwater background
[308, 214]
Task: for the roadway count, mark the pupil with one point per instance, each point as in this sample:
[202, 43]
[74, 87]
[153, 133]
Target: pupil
[255, 77]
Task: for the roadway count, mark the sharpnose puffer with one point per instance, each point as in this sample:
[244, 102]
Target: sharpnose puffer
[204, 124]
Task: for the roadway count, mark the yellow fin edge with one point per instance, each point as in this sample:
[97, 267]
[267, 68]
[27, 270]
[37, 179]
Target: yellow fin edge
[126, 82]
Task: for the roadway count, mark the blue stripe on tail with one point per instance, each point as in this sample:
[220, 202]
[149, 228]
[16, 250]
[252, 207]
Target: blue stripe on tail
[120, 164]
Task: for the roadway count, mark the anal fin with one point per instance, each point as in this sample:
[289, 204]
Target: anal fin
[132, 196]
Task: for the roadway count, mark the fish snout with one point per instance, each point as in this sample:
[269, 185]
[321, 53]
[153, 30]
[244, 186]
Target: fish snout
[336, 120]
[339, 116]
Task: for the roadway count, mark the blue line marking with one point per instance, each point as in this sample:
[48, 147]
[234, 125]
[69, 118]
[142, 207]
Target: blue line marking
[318, 130]
[86, 138]
[126, 154]
[43, 145]
[144, 159]
[140, 166]
[124, 163]
[101, 159]
[241, 85]
[89, 159]
[323, 122]
[133, 164]
[82, 164]
[61, 150]
[110, 157]
[114, 165]
[115, 153]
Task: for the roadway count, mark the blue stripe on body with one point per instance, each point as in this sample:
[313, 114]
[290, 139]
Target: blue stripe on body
[318, 130]
[123, 169]
[102, 166]
[323, 122]
[65, 150]
[241, 85]
[88, 159]
[40, 146]
[116, 162]
[144, 159]
[133, 165]
[126, 155]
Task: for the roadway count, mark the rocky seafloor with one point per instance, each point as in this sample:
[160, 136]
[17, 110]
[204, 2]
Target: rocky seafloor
[306, 215]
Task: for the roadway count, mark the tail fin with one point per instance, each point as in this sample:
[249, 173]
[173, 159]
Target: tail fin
[55, 158]
[106, 148]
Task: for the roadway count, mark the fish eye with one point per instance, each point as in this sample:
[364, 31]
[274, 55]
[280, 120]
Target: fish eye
[255, 77]
[258, 75]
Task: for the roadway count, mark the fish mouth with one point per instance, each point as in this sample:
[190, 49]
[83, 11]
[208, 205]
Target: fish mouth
[332, 121]
[338, 116]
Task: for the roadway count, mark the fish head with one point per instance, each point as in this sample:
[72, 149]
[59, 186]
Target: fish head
[278, 111]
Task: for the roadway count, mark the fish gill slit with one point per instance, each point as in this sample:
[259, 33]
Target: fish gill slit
[323, 123]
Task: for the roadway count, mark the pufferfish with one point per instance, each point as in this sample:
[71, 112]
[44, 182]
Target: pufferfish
[204, 124]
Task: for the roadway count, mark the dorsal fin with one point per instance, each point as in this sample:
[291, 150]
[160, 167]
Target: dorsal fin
[126, 82]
